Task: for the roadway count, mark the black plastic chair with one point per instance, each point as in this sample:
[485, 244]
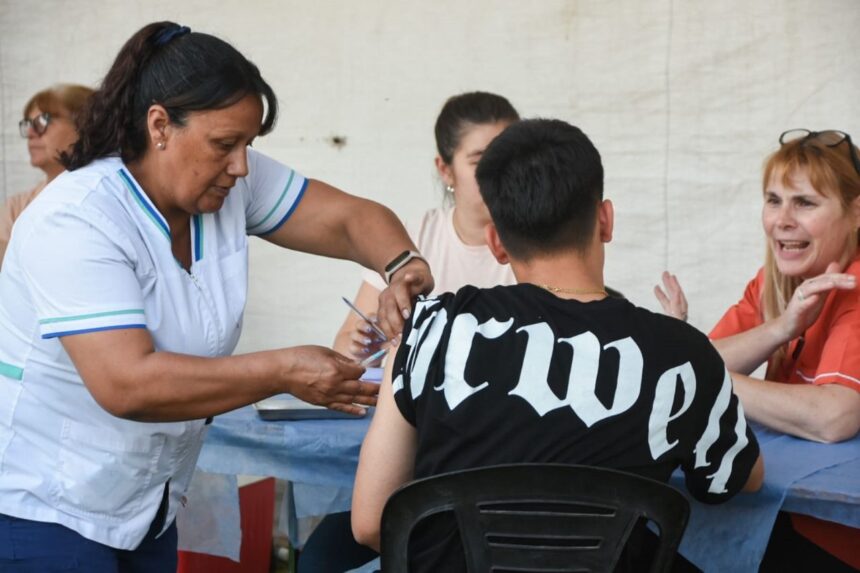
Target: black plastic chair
[537, 517]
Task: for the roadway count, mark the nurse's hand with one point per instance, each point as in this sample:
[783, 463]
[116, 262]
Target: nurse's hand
[808, 299]
[396, 301]
[321, 376]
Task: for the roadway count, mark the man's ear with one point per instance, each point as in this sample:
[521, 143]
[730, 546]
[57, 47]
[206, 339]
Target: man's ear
[445, 172]
[491, 235]
[606, 220]
[157, 123]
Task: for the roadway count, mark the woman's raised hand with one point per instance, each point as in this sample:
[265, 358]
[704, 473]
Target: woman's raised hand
[805, 304]
[321, 376]
[395, 302]
[364, 340]
[672, 300]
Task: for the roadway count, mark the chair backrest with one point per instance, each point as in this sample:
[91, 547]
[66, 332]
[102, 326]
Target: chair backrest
[537, 517]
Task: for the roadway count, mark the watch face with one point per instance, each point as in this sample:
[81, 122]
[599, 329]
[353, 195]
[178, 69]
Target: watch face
[397, 260]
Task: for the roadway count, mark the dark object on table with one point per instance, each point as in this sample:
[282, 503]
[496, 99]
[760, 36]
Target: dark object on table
[288, 407]
[537, 517]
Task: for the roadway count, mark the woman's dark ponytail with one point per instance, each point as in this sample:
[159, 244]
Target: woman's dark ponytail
[106, 126]
[167, 64]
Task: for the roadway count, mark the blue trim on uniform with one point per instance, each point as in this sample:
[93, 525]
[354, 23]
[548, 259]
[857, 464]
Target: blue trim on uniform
[277, 203]
[11, 371]
[153, 214]
[198, 237]
[290, 212]
[92, 315]
[86, 330]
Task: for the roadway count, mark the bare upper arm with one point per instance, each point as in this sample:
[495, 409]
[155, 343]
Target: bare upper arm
[104, 361]
[386, 462]
[756, 477]
[315, 225]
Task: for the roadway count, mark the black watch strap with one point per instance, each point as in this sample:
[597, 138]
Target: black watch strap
[399, 262]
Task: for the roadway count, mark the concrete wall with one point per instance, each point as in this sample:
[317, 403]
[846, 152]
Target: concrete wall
[683, 99]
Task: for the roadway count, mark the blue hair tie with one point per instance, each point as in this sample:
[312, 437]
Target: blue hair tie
[168, 34]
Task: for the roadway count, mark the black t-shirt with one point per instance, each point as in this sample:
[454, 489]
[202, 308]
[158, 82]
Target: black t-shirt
[515, 374]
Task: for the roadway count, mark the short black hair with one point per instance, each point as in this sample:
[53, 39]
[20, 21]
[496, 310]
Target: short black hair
[542, 180]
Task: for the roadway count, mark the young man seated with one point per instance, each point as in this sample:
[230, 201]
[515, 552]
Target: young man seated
[549, 369]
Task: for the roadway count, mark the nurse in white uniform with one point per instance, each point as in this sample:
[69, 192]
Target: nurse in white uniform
[121, 300]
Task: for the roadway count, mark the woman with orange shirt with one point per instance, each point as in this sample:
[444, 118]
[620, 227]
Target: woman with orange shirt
[801, 313]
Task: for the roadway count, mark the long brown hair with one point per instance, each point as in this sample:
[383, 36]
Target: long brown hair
[831, 172]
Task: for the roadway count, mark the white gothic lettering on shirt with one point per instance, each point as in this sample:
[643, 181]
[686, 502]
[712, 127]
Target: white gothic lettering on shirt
[533, 386]
[463, 331]
[417, 363]
[664, 397]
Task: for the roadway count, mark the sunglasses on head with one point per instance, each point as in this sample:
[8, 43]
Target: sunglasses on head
[829, 137]
[38, 124]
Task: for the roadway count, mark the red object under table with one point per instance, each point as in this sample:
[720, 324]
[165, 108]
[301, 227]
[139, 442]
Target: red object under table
[256, 509]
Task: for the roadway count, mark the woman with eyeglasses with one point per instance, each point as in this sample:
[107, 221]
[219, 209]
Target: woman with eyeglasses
[800, 314]
[122, 299]
[49, 128]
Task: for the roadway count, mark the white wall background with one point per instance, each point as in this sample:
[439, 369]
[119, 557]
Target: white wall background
[682, 98]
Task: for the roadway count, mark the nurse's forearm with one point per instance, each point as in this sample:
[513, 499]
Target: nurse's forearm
[822, 413]
[130, 380]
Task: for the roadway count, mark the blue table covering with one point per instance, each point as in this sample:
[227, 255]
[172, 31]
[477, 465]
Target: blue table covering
[316, 452]
[210, 521]
[320, 458]
[813, 477]
[832, 494]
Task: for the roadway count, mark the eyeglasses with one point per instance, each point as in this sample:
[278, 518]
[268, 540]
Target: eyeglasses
[829, 137]
[39, 124]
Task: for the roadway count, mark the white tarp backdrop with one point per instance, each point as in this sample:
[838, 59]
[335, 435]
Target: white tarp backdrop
[682, 98]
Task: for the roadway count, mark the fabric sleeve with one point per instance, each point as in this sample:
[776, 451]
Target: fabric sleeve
[80, 275]
[743, 315]
[840, 357]
[271, 191]
[419, 350]
[725, 448]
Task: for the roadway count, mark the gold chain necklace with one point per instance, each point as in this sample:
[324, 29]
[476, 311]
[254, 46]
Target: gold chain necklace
[574, 291]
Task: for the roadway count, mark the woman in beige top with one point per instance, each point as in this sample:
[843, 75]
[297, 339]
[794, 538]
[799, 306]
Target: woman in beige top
[451, 239]
[49, 128]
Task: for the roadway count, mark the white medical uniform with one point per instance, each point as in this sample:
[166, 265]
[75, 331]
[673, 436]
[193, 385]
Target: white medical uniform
[93, 253]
